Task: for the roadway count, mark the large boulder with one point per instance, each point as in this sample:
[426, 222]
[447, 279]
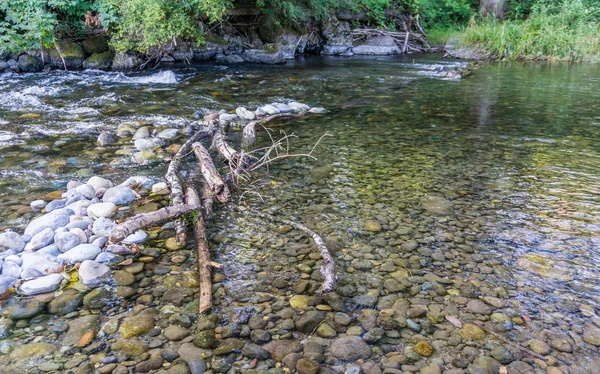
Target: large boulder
[70, 52]
[379, 45]
[100, 61]
[95, 44]
[270, 56]
[212, 47]
[338, 38]
[29, 64]
[125, 61]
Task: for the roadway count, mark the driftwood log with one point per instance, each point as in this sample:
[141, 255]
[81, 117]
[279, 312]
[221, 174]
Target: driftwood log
[215, 187]
[172, 179]
[204, 263]
[249, 132]
[141, 221]
[211, 175]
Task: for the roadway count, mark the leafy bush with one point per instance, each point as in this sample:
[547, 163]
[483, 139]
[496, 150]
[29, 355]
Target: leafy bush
[567, 31]
[139, 25]
[443, 14]
[29, 24]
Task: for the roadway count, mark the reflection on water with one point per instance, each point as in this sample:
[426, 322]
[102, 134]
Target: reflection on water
[491, 180]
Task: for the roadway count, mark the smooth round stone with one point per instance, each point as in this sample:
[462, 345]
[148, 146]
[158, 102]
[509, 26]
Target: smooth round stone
[175, 332]
[283, 108]
[138, 180]
[51, 250]
[119, 195]
[80, 253]
[92, 273]
[318, 110]
[141, 133]
[86, 191]
[99, 182]
[244, 113]
[66, 240]
[48, 283]
[145, 144]
[160, 188]
[40, 240]
[11, 269]
[168, 134]
[55, 204]
[106, 138]
[103, 226]
[80, 234]
[14, 258]
[73, 184]
[299, 107]
[137, 237]
[11, 241]
[100, 241]
[37, 205]
[269, 109]
[101, 210]
[106, 258]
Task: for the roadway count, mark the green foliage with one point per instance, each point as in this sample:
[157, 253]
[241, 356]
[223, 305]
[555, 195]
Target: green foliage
[140, 25]
[567, 31]
[446, 14]
[28, 24]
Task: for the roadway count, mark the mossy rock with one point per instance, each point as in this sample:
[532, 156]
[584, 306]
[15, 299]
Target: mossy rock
[101, 61]
[70, 52]
[95, 44]
[29, 64]
[33, 351]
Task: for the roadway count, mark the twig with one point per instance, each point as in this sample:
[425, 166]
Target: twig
[328, 268]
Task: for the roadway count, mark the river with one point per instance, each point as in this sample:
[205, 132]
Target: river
[474, 198]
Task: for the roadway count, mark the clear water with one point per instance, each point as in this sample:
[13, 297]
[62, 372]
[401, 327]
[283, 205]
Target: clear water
[495, 176]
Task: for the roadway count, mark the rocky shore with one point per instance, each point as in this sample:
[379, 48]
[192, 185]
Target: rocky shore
[261, 44]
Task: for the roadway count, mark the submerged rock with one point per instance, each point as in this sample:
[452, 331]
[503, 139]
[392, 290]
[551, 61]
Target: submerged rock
[350, 348]
[22, 308]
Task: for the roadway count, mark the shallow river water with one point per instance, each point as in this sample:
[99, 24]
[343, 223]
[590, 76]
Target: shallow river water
[444, 202]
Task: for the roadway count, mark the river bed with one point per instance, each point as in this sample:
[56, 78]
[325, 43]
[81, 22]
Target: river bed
[446, 202]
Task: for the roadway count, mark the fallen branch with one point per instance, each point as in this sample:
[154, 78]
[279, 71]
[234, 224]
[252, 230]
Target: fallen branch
[328, 268]
[237, 161]
[141, 221]
[211, 175]
[204, 263]
[172, 179]
[249, 132]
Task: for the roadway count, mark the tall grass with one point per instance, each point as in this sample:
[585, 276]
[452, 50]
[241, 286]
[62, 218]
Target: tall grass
[568, 32]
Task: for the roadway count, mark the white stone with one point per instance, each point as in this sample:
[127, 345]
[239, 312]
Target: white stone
[37, 205]
[142, 133]
[66, 240]
[101, 210]
[11, 241]
[55, 219]
[283, 108]
[137, 237]
[318, 110]
[92, 274]
[80, 234]
[80, 253]
[103, 226]
[40, 240]
[119, 195]
[86, 190]
[40, 262]
[160, 188]
[168, 134]
[244, 113]
[270, 109]
[145, 144]
[40, 285]
[99, 182]
[299, 107]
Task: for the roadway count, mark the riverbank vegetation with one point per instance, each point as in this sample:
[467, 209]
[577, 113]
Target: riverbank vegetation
[568, 30]
[513, 29]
